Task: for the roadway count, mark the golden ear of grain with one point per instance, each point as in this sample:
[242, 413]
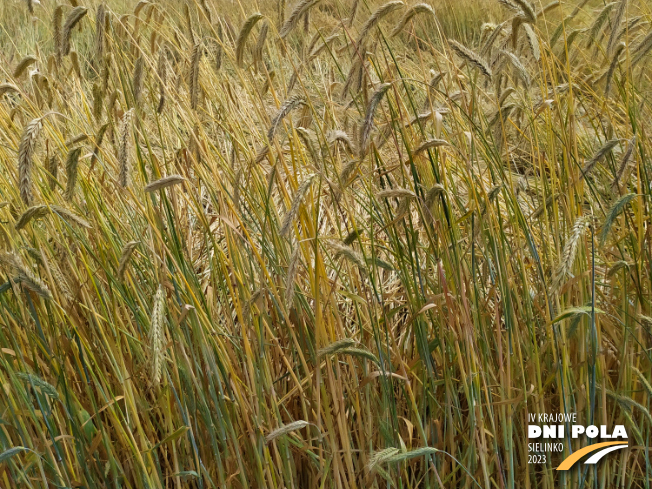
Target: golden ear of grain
[288, 106]
[430, 143]
[72, 165]
[53, 169]
[106, 73]
[285, 429]
[7, 88]
[188, 20]
[549, 7]
[616, 267]
[74, 61]
[127, 251]
[139, 67]
[260, 43]
[24, 275]
[302, 190]
[471, 57]
[338, 136]
[56, 28]
[218, 51]
[642, 49]
[527, 10]
[419, 8]
[164, 183]
[207, 11]
[244, 34]
[376, 17]
[368, 123]
[22, 66]
[570, 250]
[520, 70]
[612, 67]
[491, 40]
[345, 175]
[615, 26]
[34, 212]
[533, 41]
[123, 153]
[624, 162]
[70, 216]
[161, 71]
[72, 20]
[25, 156]
[193, 77]
[341, 250]
[326, 44]
[595, 30]
[98, 101]
[76, 139]
[396, 193]
[100, 38]
[298, 10]
[98, 142]
[433, 193]
[598, 156]
[157, 335]
[309, 139]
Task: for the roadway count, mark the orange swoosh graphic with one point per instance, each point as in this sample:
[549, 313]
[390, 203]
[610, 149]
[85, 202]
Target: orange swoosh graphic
[571, 459]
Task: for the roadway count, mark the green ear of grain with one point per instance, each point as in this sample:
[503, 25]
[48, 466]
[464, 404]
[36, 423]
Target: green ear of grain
[7, 454]
[31, 379]
[573, 312]
[612, 214]
[285, 429]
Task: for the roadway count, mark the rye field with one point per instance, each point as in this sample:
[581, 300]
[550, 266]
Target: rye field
[323, 243]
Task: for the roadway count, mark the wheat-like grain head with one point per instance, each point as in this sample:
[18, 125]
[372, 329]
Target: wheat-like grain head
[161, 71]
[302, 7]
[127, 251]
[34, 212]
[139, 68]
[23, 64]
[288, 106]
[244, 34]
[100, 36]
[570, 250]
[72, 20]
[72, 166]
[123, 153]
[376, 17]
[368, 123]
[164, 182]
[471, 57]
[25, 157]
[302, 190]
[157, 335]
[57, 18]
[24, 275]
[419, 8]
